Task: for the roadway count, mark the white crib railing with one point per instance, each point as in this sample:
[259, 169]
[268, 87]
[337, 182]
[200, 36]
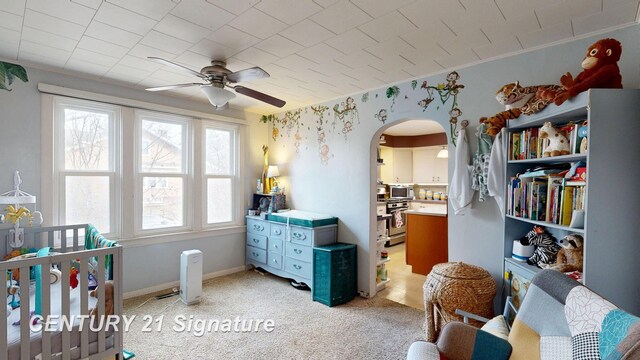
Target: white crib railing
[70, 250]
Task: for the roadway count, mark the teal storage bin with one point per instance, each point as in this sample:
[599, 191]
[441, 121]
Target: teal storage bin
[335, 274]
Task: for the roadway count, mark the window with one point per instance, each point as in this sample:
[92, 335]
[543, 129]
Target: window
[88, 166]
[162, 167]
[136, 173]
[220, 173]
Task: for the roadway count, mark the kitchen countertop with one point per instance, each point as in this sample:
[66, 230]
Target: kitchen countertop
[425, 213]
[444, 202]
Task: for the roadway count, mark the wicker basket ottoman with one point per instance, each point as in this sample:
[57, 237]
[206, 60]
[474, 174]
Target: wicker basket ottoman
[452, 286]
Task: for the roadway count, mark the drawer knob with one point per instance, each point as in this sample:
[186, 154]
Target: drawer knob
[275, 246]
[256, 240]
[297, 251]
[299, 236]
[298, 267]
[257, 227]
[275, 261]
[277, 231]
[255, 254]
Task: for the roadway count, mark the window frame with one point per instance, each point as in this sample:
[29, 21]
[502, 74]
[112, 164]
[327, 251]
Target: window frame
[186, 173]
[235, 175]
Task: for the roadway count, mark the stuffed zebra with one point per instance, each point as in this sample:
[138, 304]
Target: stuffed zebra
[546, 246]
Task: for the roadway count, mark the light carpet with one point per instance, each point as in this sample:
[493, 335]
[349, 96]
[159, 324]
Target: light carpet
[303, 329]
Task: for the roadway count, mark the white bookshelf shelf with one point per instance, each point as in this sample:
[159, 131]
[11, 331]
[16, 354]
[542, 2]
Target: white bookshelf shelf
[547, 224]
[552, 159]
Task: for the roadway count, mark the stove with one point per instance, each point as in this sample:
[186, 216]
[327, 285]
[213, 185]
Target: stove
[397, 223]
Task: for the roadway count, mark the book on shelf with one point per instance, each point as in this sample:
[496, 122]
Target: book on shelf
[527, 144]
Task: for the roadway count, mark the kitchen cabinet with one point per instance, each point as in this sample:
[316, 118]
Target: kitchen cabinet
[403, 165]
[413, 165]
[427, 241]
[386, 170]
[428, 168]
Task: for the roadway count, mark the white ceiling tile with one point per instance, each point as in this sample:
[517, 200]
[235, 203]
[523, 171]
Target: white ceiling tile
[289, 11]
[325, 3]
[307, 33]
[426, 67]
[358, 59]
[82, 55]
[547, 35]
[608, 4]
[320, 53]
[465, 40]
[165, 42]
[330, 68]
[505, 46]
[235, 6]
[138, 63]
[112, 34]
[341, 17]
[102, 47]
[13, 6]
[124, 19]
[202, 13]
[514, 26]
[255, 56]
[144, 51]
[279, 46]
[53, 25]
[48, 39]
[423, 13]
[377, 8]
[476, 14]
[515, 8]
[456, 60]
[38, 58]
[8, 51]
[213, 50]
[295, 62]
[86, 67]
[234, 64]
[391, 63]
[193, 61]
[258, 24]
[388, 26]
[350, 41]
[616, 15]
[124, 71]
[233, 38]
[44, 51]
[277, 71]
[10, 21]
[9, 36]
[63, 9]
[368, 83]
[127, 79]
[561, 11]
[425, 41]
[393, 46]
[155, 9]
[181, 29]
[94, 4]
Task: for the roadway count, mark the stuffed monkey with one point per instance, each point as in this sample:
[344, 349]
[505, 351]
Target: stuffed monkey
[570, 257]
[108, 300]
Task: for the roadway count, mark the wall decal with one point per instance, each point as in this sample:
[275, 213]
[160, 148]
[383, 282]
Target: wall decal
[392, 93]
[324, 154]
[365, 97]
[8, 73]
[445, 92]
[414, 83]
[382, 115]
[348, 114]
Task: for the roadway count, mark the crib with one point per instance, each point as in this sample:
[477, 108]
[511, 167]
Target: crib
[78, 339]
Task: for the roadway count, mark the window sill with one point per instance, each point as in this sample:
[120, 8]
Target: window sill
[180, 236]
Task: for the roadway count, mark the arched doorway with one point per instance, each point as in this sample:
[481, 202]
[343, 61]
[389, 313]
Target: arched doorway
[409, 174]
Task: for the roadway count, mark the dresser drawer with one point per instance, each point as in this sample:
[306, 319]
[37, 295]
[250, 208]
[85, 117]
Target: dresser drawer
[256, 254]
[275, 260]
[258, 241]
[300, 268]
[301, 235]
[299, 252]
[277, 231]
[257, 227]
[275, 246]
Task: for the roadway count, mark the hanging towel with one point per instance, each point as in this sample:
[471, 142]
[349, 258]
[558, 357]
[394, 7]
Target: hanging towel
[497, 177]
[398, 219]
[460, 191]
[481, 162]
[94, 240]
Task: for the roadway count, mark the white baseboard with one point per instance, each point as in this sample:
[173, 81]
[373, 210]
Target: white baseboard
[169, 285]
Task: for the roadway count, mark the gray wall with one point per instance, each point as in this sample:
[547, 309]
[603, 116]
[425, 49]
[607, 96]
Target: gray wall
[144, 266]
[343, 187]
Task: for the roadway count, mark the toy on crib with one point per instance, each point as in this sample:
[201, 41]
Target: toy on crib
[546, 246]
[570, 256]
[73, 278]
[13, 290]
[108, 300]
[558, 143]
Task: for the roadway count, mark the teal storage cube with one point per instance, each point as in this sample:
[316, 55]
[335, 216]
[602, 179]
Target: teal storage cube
[335, 274]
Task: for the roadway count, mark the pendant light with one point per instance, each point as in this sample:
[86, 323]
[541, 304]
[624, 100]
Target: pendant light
[443, 153]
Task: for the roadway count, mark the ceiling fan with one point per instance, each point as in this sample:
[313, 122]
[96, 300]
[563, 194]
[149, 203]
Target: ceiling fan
[216, 77]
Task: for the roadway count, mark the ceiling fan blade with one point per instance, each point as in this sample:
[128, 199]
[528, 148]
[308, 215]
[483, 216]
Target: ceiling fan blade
[170, 87]
[260, 96]
[222, 107]
[178, 66]
[247, 75]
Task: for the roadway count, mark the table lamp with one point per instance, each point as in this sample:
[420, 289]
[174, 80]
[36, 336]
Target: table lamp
[273, 173]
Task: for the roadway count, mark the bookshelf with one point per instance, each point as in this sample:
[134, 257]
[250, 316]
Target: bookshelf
[611, 196]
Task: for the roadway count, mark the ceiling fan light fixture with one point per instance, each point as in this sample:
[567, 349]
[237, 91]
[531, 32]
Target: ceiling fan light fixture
[217, 95]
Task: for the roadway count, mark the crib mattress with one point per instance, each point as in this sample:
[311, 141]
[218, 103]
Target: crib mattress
[13, 331]
[303, 218]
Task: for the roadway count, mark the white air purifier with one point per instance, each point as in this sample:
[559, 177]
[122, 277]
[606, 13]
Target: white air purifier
[191, 276]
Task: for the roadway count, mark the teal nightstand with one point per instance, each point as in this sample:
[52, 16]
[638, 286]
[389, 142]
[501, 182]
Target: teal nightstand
[335, 274]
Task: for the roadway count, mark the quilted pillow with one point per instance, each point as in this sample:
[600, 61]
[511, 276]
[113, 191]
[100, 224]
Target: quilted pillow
[498, 327]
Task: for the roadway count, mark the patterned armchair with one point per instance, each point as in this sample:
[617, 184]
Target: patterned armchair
[559, 319]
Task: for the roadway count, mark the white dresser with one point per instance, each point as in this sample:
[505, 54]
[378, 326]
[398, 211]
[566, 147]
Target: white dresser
[286, 250]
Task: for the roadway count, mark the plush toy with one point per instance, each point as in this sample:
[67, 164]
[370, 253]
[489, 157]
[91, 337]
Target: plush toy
[108, 300]
[73, 278]
[570, 257]
[600, 71]
[546, 246]
[517, 100]
[558, 143]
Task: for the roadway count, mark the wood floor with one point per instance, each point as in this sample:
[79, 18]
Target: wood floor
[405, 287]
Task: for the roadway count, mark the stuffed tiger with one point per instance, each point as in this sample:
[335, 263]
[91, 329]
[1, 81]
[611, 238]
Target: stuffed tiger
[518, 100]
[547, 247]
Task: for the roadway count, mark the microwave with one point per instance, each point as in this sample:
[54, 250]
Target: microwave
[400, 192]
